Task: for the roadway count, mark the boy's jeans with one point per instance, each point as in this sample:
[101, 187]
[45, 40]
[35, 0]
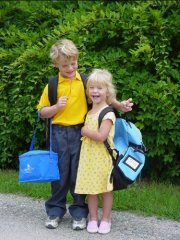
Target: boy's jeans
[66, 141]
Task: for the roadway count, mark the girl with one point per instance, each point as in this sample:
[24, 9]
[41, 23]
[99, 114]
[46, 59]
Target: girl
[95, 163]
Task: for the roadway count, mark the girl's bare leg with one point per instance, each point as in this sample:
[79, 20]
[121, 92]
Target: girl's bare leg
[93, 207]
[107, 200]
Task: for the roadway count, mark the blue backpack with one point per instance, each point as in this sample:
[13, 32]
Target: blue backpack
[129, 154]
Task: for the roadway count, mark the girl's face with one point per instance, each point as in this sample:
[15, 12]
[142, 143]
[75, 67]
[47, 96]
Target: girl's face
[68, 67]
[97, 93]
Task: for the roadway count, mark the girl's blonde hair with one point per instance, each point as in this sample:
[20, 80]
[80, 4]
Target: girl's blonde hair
[63, 49]
[102, 77]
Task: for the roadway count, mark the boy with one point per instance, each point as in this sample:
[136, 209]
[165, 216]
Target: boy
[68, 118]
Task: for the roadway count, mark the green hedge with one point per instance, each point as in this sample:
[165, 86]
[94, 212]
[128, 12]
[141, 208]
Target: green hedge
[136, 40]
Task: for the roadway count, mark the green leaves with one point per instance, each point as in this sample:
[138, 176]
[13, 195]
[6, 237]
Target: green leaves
[137, 41]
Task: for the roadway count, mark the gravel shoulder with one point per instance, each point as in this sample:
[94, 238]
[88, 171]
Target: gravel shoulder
[23, 218]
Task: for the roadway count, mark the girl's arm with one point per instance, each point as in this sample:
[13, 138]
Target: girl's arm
[101, 134]
[125, 106]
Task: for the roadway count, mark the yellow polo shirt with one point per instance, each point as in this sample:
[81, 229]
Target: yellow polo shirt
[76, 108]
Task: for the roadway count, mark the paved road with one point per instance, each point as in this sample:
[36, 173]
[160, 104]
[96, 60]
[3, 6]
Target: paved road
[23, 218]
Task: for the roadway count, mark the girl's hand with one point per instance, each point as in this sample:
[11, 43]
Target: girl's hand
[83, 130]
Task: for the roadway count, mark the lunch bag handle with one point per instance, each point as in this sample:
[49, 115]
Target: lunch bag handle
[31, 148]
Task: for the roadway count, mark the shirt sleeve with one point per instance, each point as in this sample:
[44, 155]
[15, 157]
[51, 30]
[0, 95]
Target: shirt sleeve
[44, 100]
[111, 116]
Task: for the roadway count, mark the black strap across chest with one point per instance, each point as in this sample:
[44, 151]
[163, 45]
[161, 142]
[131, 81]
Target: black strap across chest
[52, 87]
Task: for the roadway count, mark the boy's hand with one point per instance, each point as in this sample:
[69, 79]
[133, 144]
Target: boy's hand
[126, 106]
[62, 101]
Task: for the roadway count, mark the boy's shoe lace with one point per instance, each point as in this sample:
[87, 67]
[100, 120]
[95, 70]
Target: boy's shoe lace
[52, 222]
[79, 224]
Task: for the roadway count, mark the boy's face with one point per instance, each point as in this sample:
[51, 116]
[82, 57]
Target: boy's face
[68, 67]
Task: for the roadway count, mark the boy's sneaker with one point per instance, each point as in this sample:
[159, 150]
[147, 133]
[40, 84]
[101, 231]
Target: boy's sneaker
[52, 222]
[79, 224]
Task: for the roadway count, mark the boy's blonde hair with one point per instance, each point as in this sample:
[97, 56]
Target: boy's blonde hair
[63, 49]
[102, 77]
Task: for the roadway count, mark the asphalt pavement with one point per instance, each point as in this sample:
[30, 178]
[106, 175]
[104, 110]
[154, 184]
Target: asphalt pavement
[23, 218]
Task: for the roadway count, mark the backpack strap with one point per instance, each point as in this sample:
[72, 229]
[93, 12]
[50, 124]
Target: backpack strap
[52, 89]
[103, 113]
[100, 118]
[84, 78]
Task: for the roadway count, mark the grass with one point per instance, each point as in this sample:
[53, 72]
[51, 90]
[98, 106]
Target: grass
[160, 199]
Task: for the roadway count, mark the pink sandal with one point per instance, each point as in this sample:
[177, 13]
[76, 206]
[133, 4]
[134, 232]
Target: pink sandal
[105, 227]
[92, 226]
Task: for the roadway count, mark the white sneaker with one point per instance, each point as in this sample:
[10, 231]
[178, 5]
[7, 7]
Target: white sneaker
[52, 222]
[79, 224]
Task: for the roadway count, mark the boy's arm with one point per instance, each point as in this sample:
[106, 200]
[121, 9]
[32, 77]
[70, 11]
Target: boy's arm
[101, 134]
[48, 112]
[124, 106]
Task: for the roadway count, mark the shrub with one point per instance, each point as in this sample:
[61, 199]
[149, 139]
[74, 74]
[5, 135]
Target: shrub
[136, 40]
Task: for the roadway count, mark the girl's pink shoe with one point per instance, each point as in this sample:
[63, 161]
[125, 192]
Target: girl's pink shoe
[105, 227]
[92, 226]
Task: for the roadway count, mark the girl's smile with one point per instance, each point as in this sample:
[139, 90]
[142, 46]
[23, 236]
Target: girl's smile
[97, 93]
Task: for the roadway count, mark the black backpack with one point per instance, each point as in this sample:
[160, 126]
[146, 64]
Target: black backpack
[52, 95]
